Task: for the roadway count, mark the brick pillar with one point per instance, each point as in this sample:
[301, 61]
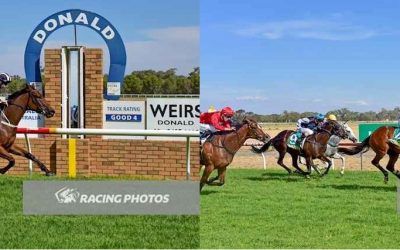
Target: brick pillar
[52, 85]
[94, 88]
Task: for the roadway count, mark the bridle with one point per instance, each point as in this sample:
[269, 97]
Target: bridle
[34, 100]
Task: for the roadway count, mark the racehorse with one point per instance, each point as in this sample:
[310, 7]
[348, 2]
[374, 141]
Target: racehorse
[380, 143]
[333, 144]
[18, 103]
[314, 147]
[218, 151]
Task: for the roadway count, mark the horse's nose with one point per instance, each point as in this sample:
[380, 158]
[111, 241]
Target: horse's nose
[51, 112]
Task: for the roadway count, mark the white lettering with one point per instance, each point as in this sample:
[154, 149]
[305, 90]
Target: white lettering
[67, 18]
[94, 23]
[40, 36]
[108, 33]
[84, 198]
[82, 19]
[50, 24]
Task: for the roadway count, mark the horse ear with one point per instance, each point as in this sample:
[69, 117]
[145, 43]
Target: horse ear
[245, 120]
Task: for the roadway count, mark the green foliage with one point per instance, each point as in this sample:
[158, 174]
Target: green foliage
[17, 83]
[161, 82]
[271, 209]
[343, 114]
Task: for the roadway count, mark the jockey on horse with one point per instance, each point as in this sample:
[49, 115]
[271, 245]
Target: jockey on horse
[308, 125]
[211, 122]
[4, 80]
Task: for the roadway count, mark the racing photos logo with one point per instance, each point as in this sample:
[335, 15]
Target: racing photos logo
[67, 195]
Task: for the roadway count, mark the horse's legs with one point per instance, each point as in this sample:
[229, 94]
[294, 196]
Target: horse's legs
[11, 161]
[220, 177]
[375, 162]
[295, 158]
[315, 167]
[22, 152]
[308, 164]
[327, 160]
[206, 173]
[280, 161]
[338, 156]
[393, 156]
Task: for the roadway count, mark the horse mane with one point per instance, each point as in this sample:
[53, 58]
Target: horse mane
[17, 93]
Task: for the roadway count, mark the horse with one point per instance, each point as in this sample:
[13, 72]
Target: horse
[333, 144]
[218, 151]
[18, 103]
[314, 147]
[379, 142]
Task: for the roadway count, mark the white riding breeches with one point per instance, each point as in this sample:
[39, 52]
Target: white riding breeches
[306, 131]
[206, 127]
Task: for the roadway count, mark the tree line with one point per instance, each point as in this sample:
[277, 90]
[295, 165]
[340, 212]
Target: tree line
[343, 114]
[139, 82]
[160, 82]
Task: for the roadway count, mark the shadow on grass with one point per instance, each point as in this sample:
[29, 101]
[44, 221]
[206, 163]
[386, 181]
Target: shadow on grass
[360, 187]
[278, 176]
[208, 192]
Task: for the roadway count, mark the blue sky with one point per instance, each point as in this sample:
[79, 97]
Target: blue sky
[269, 56]
[157, 34]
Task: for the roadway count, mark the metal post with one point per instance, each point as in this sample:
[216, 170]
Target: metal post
[28, 145]
[361, 157]
[187, 158]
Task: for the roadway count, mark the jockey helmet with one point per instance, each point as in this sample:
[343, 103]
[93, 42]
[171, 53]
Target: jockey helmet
[5, 78]
[332, 117]
[227, 111]
[319, 117]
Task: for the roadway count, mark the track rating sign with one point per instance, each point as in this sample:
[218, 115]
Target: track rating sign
[123, 115]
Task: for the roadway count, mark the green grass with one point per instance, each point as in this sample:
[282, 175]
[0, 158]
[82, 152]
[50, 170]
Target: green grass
[21, 231]
[269, 209]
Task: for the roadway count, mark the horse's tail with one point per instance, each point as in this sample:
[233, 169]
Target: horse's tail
[357, 149]
[263, 147]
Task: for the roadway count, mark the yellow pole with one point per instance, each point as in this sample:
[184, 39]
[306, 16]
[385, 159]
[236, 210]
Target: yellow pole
[72, 157]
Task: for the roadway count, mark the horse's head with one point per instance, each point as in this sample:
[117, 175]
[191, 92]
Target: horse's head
[335, 128]
[30, 98]
[255, 130]
[349, 132]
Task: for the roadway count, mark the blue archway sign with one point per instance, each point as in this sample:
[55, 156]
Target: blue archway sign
[91, 20]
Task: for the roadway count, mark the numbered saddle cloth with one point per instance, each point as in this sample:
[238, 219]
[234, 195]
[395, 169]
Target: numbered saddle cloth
[294, 140]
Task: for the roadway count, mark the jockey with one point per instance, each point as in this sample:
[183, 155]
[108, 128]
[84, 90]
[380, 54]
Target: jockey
[308, 125]
[4, 80]
[211, 122]
[331, 117]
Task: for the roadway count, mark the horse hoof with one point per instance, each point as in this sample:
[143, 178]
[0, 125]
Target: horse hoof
[50, 174]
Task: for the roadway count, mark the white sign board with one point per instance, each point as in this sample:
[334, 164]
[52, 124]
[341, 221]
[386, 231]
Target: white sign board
[113, 88]
[31, 119]
[123, 115]
[172, 114]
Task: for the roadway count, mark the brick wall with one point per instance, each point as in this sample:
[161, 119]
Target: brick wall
[95, 156]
